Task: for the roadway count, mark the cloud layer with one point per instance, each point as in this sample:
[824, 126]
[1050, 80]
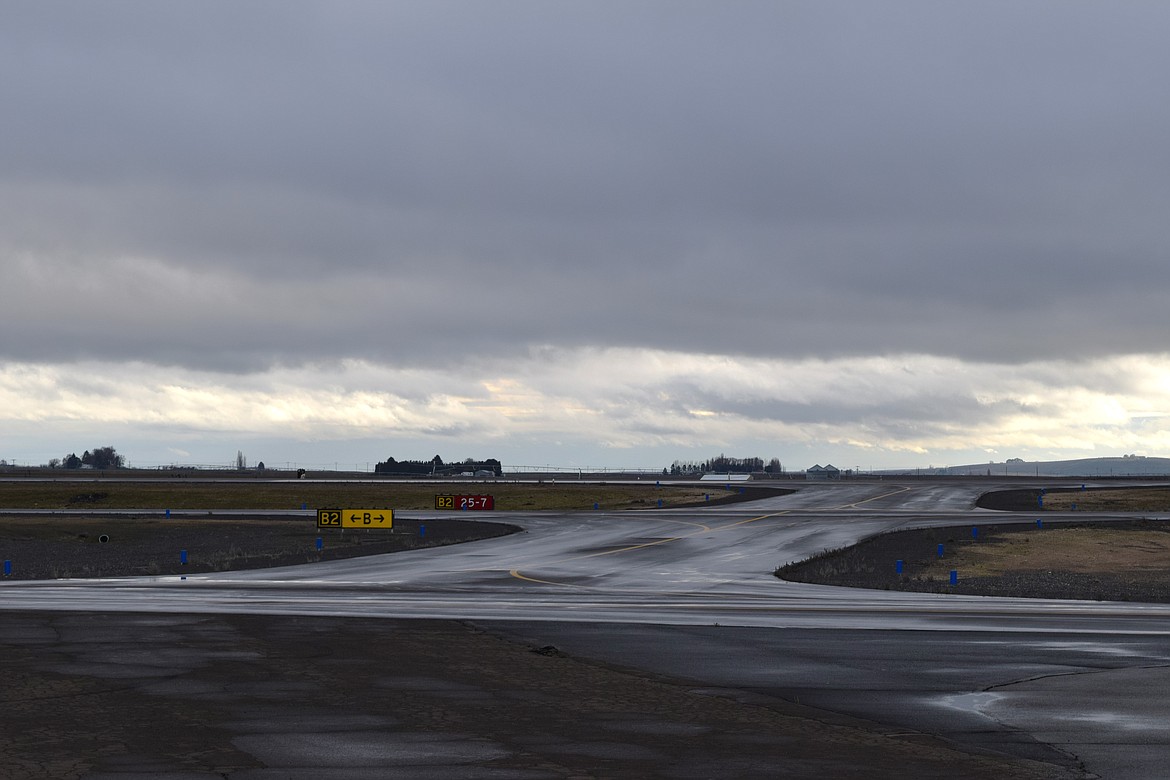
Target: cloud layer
[609, 407]
[649, 226]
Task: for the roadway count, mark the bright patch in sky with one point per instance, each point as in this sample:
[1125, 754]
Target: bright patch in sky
[688, 403]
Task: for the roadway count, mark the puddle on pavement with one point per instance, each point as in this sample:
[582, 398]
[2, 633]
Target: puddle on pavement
[974, 703]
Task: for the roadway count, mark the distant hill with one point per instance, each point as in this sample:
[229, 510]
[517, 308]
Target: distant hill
[1125, 466]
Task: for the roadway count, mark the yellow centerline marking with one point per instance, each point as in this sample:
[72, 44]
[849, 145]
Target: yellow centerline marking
[516, 573]
[700, 526]
[874, 498]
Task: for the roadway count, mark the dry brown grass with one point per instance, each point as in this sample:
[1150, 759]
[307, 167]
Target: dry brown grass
[1110, 500]
[295, 495]
[1081, 550]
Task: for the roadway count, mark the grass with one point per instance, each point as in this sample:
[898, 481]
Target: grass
[1109, 500]
[294, 495]
[1086, 550]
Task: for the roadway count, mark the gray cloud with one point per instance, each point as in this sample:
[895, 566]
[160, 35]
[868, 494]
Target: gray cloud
[420, 183]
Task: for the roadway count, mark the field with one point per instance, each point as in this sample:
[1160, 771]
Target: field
[1077, 549]
[291, 495]
[1153, 499]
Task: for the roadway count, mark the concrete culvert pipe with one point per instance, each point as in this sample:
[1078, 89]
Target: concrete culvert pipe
[103, 538]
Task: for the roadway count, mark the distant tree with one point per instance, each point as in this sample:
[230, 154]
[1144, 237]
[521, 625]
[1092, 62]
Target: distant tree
[54, 463]
[103, 458]
[260, 466]
[72, 461]
[733, 465]
[436, 466]
[723, 464]
[388, 466]
[108, 458]
[241, 461]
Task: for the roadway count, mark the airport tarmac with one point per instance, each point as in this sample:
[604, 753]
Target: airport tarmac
[177, 697]
[689, 595]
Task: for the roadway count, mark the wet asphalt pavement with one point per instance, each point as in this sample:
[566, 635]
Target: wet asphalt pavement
[687, 594]
[172, 697]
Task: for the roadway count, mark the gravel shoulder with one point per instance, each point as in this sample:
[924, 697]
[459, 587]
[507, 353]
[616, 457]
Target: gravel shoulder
[74, 546]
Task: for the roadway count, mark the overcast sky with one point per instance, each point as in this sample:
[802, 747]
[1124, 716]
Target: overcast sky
[584, 234]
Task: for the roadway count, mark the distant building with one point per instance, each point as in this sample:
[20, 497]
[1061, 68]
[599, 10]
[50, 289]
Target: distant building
[819, 472]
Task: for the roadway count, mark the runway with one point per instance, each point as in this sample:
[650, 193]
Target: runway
[689, 593]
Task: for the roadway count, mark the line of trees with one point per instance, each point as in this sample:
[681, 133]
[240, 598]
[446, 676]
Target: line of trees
[436, 467]
[725, 465]
[99, 458]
